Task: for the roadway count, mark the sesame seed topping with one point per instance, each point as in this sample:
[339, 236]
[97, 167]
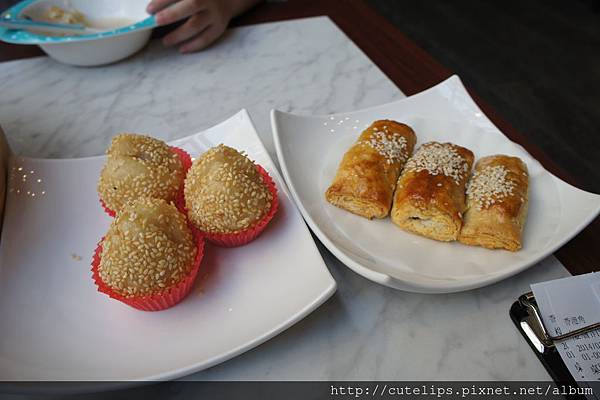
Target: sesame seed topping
[489, 185]
[224, 192]
[148, 248]
[139, 166]
[391, 146]
[439, 159]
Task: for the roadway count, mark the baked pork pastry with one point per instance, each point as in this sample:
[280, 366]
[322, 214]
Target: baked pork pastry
[430, 194]
[497, 202]
[365, 180]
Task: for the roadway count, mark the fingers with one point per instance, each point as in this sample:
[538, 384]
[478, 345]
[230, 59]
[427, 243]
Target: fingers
[204, 39]
[157, 5]
[192, 27]
[180, 10]
[207, 21]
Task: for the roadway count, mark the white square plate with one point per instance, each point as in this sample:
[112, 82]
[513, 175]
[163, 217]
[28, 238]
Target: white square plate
[54, 325]
[310, 148]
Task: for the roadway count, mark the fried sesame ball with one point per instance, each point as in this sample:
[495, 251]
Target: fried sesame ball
[224, 192]
[139, 166]
[148, 248]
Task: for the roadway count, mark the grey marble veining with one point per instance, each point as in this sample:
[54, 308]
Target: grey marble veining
[57, 111]
[365, 331]
[369, 332]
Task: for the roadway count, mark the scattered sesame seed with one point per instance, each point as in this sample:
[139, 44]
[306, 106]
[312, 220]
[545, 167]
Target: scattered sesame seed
[76, 257]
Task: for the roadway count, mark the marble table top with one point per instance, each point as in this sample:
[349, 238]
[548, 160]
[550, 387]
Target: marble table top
[365, 331]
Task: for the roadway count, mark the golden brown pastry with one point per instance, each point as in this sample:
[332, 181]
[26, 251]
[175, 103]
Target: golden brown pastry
[139, 166]
[148, 249]
[430, 194]
[225, 193]
[497, 201]
[365, 180]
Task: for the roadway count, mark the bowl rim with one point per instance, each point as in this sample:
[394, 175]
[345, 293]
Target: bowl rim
[20, 36]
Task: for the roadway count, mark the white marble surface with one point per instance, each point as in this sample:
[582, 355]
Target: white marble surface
[365, 331]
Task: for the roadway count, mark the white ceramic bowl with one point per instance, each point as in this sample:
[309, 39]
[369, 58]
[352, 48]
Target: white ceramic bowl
[128, 30]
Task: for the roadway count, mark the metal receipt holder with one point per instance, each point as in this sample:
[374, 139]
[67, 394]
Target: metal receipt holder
[526, 316]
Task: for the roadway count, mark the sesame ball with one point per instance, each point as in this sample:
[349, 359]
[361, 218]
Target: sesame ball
[148, 248]
[139, 166]
[224, 192]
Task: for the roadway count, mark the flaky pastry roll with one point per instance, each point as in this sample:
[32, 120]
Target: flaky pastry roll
[366, 177]
[497, 202]
[430, 194]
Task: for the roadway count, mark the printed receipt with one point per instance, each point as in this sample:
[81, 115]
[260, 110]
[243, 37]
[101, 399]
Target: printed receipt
[568, 304]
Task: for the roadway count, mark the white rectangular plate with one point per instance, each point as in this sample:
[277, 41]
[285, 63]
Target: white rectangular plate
[54, 325]
[310, 148]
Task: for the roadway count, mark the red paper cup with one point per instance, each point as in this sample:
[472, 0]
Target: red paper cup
[107, 210]
[186, 162]
[243, 237]
[156, 302]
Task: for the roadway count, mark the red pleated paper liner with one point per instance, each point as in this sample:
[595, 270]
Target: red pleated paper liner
[186, 162]
[243, 237]
[160, 301]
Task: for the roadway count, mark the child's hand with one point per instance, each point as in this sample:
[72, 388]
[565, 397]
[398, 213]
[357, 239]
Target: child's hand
[207, 20]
